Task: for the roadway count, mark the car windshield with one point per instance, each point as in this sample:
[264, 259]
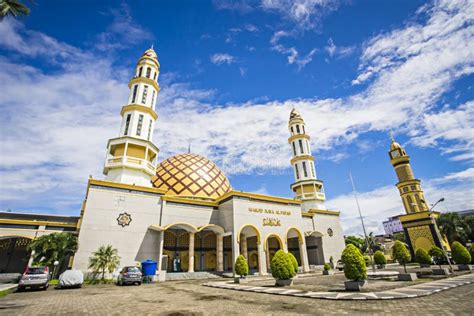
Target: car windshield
[133, 269]
[35, 271]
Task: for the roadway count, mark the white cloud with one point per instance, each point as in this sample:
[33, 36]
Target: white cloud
[305, 14]
[291, 52]
[335, 51]
[223, 58]
[383, 202]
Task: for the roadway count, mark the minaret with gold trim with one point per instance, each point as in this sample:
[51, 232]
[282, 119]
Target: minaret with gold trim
[419, 223]
[307, 187]
[131, 156]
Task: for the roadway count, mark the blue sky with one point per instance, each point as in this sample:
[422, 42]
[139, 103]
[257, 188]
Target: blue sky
[230, 73]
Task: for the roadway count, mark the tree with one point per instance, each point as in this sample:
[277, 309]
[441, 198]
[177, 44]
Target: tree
[13, 8]
[374, 245]
[399, 236]
[241, 266]
[379, 258]
[282, 266]
[460, 253]
[437, 254]
[106, 258]
[469, 220]
[422, 257]
[53, 247]
[401, 254]
[354, 264]
[454, 227]
[471, 252]
[356, 241]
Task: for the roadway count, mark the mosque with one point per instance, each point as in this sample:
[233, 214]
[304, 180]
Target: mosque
[183, 212]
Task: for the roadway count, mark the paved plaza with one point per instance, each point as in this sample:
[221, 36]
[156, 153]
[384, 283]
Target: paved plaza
[192, 298]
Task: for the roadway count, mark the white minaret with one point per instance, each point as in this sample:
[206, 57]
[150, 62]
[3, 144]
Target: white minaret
[131, 156]
[307, 187]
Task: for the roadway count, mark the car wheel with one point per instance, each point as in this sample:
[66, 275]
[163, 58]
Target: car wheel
[139, 283]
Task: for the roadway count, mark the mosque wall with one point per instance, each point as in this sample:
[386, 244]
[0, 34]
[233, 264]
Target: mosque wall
[119, 218]
[332, 235]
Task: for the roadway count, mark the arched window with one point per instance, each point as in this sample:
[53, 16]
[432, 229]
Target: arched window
[300, 142]
[304, 169]
[145, 93]
[154, 76]
[140, 72]
[127, 124]
[294, 148]
[134, 95]
[148, 72]
[297, 172]
[298, 129]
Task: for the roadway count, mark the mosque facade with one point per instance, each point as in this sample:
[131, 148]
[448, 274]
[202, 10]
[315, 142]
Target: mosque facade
[184, 213]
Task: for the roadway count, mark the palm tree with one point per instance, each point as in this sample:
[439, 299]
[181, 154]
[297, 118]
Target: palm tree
[12, 8]
[104, 259]
[53, 247]
[453, 227]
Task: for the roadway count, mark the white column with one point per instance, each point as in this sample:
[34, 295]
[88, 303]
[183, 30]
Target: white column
[243, 243]
[262, 268]
[304, 255]
[161, 239]
[235, 251]
[220, 252]
[191, 253]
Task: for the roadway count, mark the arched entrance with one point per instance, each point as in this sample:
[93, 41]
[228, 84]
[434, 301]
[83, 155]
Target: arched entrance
[294, 239]
[273, 243]
[249, 241]
[314, 248]
[14, 254]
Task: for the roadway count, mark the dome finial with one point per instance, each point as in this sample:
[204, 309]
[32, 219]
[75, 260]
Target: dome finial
[391, 136]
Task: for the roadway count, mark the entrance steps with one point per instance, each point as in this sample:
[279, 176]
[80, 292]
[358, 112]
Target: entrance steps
[200, 275]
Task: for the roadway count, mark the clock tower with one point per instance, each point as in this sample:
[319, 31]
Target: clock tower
[419, 223]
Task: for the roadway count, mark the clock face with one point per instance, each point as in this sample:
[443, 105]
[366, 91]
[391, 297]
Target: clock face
[395, 154]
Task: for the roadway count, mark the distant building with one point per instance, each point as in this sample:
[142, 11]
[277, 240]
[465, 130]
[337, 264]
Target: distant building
[393, 225]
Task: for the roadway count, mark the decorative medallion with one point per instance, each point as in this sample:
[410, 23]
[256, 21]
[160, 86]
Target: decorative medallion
[124, 219]
[330, 232]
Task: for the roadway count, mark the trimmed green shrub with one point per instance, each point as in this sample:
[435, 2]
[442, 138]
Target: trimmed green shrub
[293, 261]
[327, 267]
[379, 258]
[282, 266]
[241, 266]
[471, 252]
[460, 253]
[401, 254]
[437, 254]
[422, 257]
[354, 264]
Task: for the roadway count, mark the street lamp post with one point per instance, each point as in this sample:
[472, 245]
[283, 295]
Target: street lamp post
[441, 237]
[363, 225]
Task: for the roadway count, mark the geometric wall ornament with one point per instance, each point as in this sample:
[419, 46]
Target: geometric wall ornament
[124, 219]
[330, 232]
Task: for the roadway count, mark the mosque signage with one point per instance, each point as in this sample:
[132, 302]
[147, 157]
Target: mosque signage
[271, 222]
[268, 211]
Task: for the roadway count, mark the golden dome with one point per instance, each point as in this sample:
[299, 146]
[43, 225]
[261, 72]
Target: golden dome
[150, 53]
[395, 145]
[192, 176]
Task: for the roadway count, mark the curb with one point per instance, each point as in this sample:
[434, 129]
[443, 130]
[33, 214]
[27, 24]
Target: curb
[413, 291]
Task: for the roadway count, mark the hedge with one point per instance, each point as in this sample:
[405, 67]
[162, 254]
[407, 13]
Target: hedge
[437, 254]
[422, 257]
[293, 261]
[379, 258]
[471, 252]
[354, 264]
[241, 266]
[327, 267]
[460, 253]
[282, 266]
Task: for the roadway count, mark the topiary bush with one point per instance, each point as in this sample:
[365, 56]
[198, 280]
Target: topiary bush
[460, 253]
[282, 266]
[471, 252]
[241, 266]
[327, 267]
[354, 264]
[379, 258]
[293, 261]
[401, 254]
[437, 254]
[422, 257]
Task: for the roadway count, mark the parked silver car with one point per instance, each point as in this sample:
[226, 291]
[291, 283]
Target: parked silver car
[34, 278]
[129, 275]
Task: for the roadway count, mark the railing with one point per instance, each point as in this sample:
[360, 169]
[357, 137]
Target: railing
[131, 161]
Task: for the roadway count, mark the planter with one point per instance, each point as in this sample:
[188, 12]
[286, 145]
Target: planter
[288, 282]
[464, 267]
[240, 280]
[407, 277]
[328, 272]
[354, 285]
[425, 265]
[442, 271]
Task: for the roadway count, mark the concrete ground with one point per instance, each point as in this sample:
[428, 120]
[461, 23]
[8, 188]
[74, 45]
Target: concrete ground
[191, 298]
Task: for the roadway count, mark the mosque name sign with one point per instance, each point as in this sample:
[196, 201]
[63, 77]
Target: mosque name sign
[271, 222]
[268, 211]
